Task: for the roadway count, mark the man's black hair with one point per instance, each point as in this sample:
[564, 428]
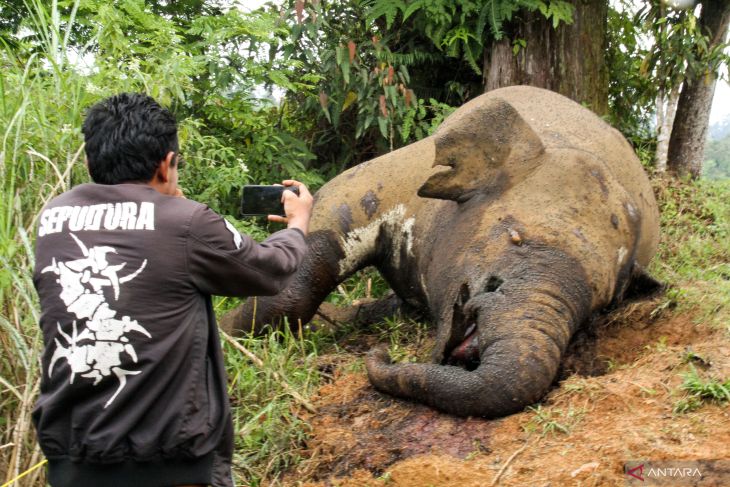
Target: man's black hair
[127, 135]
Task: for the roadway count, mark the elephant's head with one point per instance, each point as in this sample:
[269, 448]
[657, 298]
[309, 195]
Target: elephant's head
[486, 147]
[499, 348]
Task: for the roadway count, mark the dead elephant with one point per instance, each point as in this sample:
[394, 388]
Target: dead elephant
[520, 217]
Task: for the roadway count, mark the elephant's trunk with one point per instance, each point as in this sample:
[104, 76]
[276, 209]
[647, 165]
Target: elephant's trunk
[523, 327]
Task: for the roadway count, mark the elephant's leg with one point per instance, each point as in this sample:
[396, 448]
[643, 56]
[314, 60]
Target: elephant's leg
[365, 312]
[525, 312]
[318, 275]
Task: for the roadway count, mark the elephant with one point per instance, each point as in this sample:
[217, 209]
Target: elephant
[522, 216]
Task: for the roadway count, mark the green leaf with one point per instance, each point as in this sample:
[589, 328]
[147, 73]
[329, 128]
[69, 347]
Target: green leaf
[404, 73]
[386, 8]
[326, 112]
[383, 125]
[280, 78]
[335, 112]
[350, 98]
[392, 93]
[412, 8]
[346, 71]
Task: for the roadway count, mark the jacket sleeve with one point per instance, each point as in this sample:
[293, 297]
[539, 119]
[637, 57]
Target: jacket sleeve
[225, 262]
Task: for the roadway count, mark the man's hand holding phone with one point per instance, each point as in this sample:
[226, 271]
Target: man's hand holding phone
[298, 209]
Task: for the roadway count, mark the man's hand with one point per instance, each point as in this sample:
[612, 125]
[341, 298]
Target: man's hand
[298, 209]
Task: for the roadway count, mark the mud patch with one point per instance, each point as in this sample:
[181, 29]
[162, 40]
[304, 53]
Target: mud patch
[369, 204]
[360, 437]
[344, 218]
[358, 428]
[601, 178]
[618, 338]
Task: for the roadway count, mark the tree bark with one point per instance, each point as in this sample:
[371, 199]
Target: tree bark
[569, 60]
[666, 113]
[689, 134]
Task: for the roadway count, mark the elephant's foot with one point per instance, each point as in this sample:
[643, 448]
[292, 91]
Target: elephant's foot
[365, 311]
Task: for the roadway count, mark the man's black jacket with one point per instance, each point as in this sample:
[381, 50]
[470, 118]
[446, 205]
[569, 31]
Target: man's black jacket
[134, 389]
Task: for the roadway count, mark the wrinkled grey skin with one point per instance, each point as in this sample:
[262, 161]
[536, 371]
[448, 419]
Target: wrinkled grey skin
[519, 218]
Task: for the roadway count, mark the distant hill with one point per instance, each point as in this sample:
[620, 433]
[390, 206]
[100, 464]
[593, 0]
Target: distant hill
[719, 130]
[717, 151]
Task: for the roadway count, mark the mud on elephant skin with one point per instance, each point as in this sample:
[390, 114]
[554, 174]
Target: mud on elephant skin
[518, 219]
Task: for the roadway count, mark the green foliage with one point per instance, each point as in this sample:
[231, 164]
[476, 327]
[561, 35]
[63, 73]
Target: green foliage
[672, 52]
[652, 50]
[361, 77]
[553, 421]
[461, 28]
[717, 159]
[405, 337]
[423, 119]
[716, 168]
[367, 283]
[269, 433]
[362, 95]
[631, 94]
[699, 391]
[694, 252]
[207, 70]
[41, 106]
[362, 55]
[648, 46]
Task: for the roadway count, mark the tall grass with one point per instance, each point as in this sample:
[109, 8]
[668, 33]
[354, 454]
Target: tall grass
[269, 429]
[43, 97]
[40, 112]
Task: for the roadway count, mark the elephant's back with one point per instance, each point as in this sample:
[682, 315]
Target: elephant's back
[562, 123]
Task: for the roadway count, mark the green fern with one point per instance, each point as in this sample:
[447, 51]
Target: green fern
[385, 8]
[407, 58]
[414, 7]
[471, 51]
[445, 17]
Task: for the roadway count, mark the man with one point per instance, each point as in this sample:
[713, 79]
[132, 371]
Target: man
[134, 390]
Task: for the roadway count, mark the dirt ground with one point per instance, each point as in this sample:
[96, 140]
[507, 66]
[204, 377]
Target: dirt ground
[613, 404]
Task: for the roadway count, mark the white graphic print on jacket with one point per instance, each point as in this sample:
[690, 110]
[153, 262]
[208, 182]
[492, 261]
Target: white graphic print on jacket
[96, 351]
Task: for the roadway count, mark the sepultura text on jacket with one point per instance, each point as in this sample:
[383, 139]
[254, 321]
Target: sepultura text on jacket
[133, 389]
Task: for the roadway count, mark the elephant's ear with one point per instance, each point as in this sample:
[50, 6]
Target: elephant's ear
[486, 146]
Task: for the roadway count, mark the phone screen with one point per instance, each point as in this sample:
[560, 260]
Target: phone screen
[264, 200]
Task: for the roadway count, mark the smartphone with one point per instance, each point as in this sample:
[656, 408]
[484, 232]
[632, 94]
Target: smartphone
[264, 200]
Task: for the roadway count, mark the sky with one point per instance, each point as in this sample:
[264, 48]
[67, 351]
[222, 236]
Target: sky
[721, 102]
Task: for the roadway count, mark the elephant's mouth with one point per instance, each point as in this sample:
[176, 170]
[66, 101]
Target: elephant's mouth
[466, 354]
[462, 347]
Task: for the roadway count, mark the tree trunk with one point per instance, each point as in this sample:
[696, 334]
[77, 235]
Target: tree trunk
[689, 134]
[569, 60]
[665, 121]
[660, 103]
